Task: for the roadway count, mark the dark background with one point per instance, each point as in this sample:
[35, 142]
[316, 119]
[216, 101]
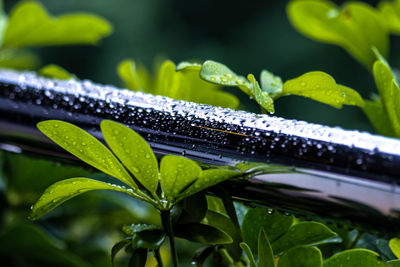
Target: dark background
[247, 36]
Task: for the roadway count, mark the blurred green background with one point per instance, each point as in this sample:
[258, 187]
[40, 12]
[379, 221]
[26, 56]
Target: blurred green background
[246, 36]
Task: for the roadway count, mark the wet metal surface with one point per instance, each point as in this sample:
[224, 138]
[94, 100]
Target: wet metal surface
[340, 174]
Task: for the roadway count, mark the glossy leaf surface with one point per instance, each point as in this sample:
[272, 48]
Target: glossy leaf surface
[133, 151]
[59, 192]
[355, 258]
[302, 257]
[87, 148]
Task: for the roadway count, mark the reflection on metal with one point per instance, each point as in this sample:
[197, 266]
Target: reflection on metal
[343, 175]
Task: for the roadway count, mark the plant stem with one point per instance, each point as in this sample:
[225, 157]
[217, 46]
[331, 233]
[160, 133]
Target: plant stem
[167, 224]
[158, 257]
[354, 243]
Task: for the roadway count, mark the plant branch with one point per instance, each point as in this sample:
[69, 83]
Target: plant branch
[167, 224]
[158, 257]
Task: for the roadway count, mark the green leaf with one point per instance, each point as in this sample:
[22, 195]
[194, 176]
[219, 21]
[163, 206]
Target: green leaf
[378, 117]
[16, 59]
[87, 148]
[270, 83]
[393, 263]
[302, 257]
[30, 25]
[265, 255]
[168, 81]
[262, 98]
[26, 244]
[208, 178]
[224, 223]
[322, 87]
[356, 26]
[54, 71]
[355, 257]
[117, 247]
[304, 233]
[134, 76]
[220, 74]
[390, 15]
[138, 258]
[389, 92]
[202, 233]
[195, 207]
[133, 151]
[274, 225]
[59, 192]
[249, 254]
[177, 173]
[185, 65]
[201, 254]
[394, 245]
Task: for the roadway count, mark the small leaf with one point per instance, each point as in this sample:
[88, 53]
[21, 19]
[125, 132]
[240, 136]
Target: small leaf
[355, 257]
[304, 233]
[149, 239]
[224, 223]
[133, 151]
[378, 117]
[249, 254]
[220, 74]
[30, 25]
[389, 92]
[185, 65]
[265, 255]
[132, 229]
[209, 178]
[168, 81]
[87, 148]
[138, 258]
[274, 225]
[322, 87]
[64, 190]
[176, 173]
[262, 98]
[356, 26]
[202, 233]
[390, 15]
[134, 76]
[270, 83]
[54, 71]
[394, 245]
[117, 247]
[302, 257]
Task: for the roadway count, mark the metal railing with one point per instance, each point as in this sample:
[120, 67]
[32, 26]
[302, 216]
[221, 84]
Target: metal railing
[346, 176]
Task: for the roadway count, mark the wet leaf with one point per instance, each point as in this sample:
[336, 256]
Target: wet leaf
[117, 247]
[262, 98]
[220, 74]
[59, 192]
[185, 65]
[176, 173]
[389, 92]
[378, 117]
[208, 178]
[87, 148]
[54, 71]
[270, 83]
[394, 245]
[304, 233]
[355, 26]
[202, 233]
[249, 254]
[29, 24]
[322, 87]
[302, 257]
[265, 255]
[355, 257]
[133, 151]
[274, 225]
[149, 239]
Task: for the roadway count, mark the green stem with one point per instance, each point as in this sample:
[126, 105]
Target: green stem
[354, 243]
[158, 257]
[167, 224]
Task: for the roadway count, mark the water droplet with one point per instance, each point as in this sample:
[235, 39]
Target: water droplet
[147, 156]
[303, 83]
[270, 211]
[136, 170]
